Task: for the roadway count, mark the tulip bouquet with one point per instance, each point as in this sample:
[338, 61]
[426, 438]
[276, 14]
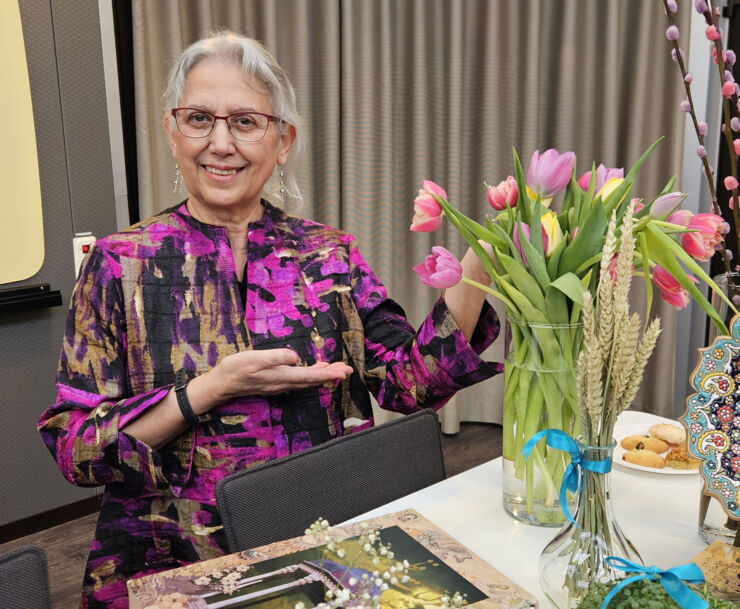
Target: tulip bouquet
[544, 256]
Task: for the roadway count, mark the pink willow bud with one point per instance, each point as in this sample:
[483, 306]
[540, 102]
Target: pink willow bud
[689, 78]
[735, 123]
[674, 57]
[730, 57]
[703, 128]
[671, 33]
[728, 88]
[686, 105]
[712, 33]
[714, 55]
[731, 183]
[701, 6]
[736, 146]
[701, 152]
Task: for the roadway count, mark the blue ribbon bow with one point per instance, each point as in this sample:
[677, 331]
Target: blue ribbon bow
[572, 480]
[671, 579]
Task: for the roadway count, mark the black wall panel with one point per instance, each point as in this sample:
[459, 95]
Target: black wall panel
[62, 39]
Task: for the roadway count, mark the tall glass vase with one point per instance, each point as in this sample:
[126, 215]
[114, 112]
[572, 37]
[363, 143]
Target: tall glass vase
[714, 525]
[576, 557]
[539, 393]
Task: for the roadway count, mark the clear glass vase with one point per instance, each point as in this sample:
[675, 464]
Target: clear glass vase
[539, 393]
[576, 557]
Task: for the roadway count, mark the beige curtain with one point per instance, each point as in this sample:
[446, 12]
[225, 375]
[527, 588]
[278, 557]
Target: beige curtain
[396, 91]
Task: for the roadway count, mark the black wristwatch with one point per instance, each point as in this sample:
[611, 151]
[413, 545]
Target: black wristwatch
[181, 384]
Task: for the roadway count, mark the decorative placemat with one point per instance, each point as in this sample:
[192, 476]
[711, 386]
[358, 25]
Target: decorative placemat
[279, 575]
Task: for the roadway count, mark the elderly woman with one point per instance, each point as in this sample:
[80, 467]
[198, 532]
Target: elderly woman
[224, 332]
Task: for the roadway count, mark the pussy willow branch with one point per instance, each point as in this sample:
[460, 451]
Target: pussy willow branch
[728, 133]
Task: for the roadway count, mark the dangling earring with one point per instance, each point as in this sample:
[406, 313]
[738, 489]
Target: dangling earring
[177, 185]
[283, 190]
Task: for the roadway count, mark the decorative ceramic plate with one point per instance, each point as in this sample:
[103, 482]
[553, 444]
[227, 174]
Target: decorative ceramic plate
[712, 418]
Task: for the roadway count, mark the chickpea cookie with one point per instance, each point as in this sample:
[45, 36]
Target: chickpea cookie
[644, 442]
[644, 457]
[678, 458]
[673, 434]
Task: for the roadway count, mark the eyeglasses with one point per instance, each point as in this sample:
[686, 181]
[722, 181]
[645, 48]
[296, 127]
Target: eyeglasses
[244, 126]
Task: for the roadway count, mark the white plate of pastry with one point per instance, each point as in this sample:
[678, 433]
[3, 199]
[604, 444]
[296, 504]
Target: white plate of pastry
[653, 444]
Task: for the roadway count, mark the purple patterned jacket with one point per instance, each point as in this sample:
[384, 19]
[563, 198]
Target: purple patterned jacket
[162, 295]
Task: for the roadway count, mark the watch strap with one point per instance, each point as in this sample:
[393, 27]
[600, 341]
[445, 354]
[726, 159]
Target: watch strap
[181, 385]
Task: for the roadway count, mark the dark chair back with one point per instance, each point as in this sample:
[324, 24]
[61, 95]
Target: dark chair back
[338, 480]
[24, 579]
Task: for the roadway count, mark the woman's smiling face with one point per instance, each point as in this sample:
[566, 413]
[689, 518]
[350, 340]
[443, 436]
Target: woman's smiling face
[222, 173]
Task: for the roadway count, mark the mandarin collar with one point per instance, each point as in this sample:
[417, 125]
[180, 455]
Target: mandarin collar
[270, 218]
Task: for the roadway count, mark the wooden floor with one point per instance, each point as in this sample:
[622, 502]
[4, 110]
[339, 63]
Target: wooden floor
[66, 545]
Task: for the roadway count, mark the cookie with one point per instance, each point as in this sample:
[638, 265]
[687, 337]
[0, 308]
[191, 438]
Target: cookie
[644, 442]
[678, 458]
[673, 434]
[644, 457]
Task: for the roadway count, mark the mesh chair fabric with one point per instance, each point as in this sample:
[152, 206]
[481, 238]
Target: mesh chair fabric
[338, 480]
[24, 579]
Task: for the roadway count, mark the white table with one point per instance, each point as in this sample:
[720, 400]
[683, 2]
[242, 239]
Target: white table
[657, 512]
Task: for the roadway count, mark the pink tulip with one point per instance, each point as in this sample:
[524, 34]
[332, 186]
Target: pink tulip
[709, 231]
[440, 269]
[427, 211]
[682, 217]
[517, 242]
[505, 194]
[666, 203]
[603, 175]
[670, 290]
[550, 172]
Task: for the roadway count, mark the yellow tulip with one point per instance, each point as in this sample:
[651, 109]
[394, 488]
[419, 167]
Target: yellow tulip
[608, 188]
[552, 234]
[533, 197]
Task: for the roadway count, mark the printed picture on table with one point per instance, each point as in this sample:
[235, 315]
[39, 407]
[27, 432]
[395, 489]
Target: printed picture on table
[306, 576]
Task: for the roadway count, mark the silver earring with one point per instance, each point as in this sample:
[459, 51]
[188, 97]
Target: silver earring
[176, 185]
[283, 190]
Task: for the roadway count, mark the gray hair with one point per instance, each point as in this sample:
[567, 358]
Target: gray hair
[256, 62]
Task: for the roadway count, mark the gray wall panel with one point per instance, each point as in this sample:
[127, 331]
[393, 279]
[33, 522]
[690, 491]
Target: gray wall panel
[62, 39]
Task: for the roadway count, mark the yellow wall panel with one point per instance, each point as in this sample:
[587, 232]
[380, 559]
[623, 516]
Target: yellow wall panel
[21, 223]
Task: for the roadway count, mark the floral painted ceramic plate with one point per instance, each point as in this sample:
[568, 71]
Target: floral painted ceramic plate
[712, 418]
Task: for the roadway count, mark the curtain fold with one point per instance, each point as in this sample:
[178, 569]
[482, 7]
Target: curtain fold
[397, 91]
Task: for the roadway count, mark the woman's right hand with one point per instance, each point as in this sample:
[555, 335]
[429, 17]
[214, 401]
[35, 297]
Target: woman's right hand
[270, 372]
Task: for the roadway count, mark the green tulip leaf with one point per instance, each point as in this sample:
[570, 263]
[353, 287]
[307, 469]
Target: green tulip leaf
[522, 280]
[570, 285]
[588, 241]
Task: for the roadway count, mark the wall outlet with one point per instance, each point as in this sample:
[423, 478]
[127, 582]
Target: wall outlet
[81, 243]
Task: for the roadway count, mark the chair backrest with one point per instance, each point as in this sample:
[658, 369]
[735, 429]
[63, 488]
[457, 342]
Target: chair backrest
[338, 480]
[24, 579]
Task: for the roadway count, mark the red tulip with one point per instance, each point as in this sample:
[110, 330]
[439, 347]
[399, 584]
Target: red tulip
[440, 269]
[505, 194]
[670, 290]
[427, 211]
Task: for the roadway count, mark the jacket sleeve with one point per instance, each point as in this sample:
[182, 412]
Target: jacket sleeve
[82, 430]
[409, 369]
